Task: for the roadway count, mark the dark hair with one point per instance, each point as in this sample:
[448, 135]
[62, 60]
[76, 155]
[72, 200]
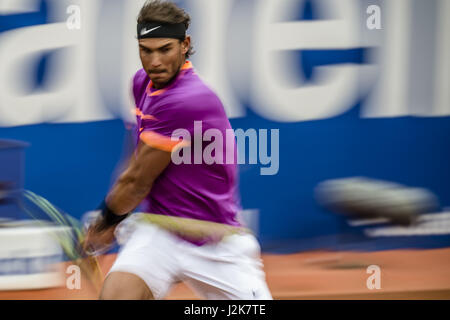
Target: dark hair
[164, 12]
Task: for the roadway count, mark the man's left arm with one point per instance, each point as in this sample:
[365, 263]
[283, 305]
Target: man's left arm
[136, 181]
[127, 193]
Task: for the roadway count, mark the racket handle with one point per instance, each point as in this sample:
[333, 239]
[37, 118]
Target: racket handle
[89, 218]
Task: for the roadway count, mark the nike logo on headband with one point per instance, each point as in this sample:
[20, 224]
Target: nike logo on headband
[145, 31]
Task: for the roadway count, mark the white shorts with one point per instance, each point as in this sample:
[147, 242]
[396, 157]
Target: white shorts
[230, 269]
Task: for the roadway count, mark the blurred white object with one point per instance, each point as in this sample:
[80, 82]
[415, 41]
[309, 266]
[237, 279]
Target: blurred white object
[18, 6]
[87, 220]
[368, 198]
[250, 219]
[125, 229]
[30, 256]
[430, 224]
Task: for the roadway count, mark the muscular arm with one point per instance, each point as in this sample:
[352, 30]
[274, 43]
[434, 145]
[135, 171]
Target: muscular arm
[137, 180]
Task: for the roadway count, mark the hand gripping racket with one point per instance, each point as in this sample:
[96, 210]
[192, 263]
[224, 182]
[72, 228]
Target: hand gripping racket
[71, 238]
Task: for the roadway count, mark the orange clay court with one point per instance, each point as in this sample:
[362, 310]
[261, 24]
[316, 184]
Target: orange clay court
[405, 274]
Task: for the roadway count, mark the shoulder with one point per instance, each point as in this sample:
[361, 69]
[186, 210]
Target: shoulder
[194, 94]
[139, 76]
[140, 82]
[195, 101]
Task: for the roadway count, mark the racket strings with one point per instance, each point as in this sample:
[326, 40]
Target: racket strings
[71, 238]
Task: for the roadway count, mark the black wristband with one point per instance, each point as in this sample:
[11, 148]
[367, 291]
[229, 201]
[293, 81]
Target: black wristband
[109, 217]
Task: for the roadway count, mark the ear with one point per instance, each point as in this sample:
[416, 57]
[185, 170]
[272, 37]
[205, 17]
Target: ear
[185, 44]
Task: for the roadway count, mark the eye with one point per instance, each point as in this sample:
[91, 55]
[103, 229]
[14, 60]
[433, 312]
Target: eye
[164, 50]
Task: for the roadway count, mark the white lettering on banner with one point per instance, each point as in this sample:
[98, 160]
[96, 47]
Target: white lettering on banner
[391, 93]
[442, 62]
[213, 21]
[130, 62]
[336, 88]
[389, 97]
[71, 93]
[18, 6]
[16, 52]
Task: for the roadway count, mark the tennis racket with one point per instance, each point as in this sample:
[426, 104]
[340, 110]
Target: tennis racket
[192, 229]
[71, 238]
[72, 241]
[85, 256]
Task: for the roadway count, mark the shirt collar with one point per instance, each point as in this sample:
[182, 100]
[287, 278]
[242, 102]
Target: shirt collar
[187, 66]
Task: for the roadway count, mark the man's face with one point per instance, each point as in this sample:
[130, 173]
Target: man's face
[162, 58]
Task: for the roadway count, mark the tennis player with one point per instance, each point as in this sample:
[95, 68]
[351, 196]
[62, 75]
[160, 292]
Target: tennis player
[169, 95]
